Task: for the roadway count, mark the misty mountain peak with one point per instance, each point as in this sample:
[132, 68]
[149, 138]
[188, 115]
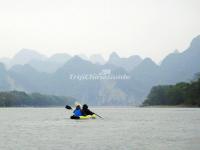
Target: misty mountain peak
[195, 44]
[83, 56]
[77, 64]
[113, 55]
[29, 53]
[147, 65]
[114, 58]
[26, 55]
[148, 61]
[176, 51]
[171, 58]
[127, 63]
[76, 60]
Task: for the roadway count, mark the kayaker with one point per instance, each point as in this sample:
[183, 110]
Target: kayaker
[77, 112]
[86, 111]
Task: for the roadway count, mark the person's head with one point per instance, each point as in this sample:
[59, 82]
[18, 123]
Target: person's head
[85, 106]
[78, 107]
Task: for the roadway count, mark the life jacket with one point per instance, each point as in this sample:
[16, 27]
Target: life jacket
[77, 112]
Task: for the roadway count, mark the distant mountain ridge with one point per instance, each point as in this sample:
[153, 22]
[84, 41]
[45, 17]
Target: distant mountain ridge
[26, 55]
[127, 63]
[144, 74]
[183, 65]
[40, 62]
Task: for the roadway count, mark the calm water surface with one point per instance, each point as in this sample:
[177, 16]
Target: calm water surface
[122, 129]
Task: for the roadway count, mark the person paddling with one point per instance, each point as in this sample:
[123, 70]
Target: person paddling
[81, 113]
[77, 112]
[86, 111]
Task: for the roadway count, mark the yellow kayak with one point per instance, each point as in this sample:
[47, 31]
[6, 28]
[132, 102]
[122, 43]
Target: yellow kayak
[88, 117]
[84, 117]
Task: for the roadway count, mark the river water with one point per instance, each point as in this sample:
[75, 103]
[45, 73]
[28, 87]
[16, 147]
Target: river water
[121, 129]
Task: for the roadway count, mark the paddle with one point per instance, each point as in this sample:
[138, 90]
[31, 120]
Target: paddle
[98, 116]
[70, 108]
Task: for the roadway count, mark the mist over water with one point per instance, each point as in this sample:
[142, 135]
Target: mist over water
[121, 129]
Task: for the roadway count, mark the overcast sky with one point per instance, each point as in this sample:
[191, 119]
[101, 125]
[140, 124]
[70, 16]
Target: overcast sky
[150, 28]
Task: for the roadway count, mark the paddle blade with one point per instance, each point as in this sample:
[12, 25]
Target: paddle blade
[99, 116]
[68, 107]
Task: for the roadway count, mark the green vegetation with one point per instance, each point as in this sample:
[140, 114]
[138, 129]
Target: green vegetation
[180, 94]
[19, 99]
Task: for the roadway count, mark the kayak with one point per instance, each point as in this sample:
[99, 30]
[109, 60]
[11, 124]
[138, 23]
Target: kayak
[88, 117]
[84, 117]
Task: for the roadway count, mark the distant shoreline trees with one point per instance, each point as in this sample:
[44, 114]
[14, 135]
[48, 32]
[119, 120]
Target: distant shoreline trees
[183, 93]
[22, 99]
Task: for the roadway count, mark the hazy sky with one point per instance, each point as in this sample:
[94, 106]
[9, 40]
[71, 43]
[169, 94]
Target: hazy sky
[150, 28]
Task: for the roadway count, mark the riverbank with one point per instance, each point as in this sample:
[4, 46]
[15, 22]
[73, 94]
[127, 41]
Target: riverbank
[170, 106]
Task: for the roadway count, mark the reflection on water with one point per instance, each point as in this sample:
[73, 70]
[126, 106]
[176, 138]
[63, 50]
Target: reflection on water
[121, 129]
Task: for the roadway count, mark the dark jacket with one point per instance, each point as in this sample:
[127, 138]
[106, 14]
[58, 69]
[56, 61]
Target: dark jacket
[86, 111]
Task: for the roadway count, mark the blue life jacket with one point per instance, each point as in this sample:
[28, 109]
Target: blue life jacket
[77, 112]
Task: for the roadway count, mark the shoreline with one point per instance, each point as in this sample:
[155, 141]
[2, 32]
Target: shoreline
[170, 106]
[152, 106]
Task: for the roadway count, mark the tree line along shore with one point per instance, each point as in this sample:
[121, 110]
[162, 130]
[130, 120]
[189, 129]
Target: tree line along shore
[182, 94]
[22, 99]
